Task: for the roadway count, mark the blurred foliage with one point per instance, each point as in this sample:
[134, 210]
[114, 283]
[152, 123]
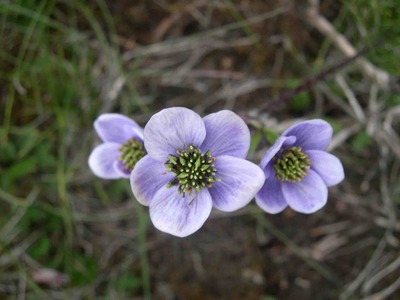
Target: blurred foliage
[375, 23]
[49, 78]
[394, 100]
[127, 283]
[361, 141]
[270, 135]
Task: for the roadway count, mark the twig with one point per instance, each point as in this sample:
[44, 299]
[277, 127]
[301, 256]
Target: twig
[326, 90]
[343, 135]
[383, 294]
[194, 41]
[374, 109]
[395, 265]
[358, 111]
[363, 274]
[285, 97]
[381, 77]
[326, 273]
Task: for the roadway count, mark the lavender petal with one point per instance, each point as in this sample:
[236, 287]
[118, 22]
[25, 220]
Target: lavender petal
[311, 135]
[173, 129]
[117, 128]
[181, 216]
[120, 168]
[308, 195]
[101, 161]
[328, 166]
[240, 181]
[147, 178]
[227, 134]
[270, 197]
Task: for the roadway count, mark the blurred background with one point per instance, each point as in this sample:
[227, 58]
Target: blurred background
[65, 234]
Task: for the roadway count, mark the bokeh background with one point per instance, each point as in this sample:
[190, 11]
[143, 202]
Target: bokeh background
[65, 234]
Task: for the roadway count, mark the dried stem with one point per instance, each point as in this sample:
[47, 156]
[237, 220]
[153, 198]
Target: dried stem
[381, 77]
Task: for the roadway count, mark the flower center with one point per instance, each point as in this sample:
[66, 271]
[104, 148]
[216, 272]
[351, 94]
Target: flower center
[131, 152]
[291, 165]
[193, 169]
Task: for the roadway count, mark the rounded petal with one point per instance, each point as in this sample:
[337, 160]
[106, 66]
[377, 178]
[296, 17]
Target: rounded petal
[120, 168]
[240, 181]
[226, 134]
[328, 166]
[308, 195]
[173, 129]
[102, 159]
[273, 150]
[311, 135]
[147, 178]
[270, 197]
[117, 128]
[181, 216]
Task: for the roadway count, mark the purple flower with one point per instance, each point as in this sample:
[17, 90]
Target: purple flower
[298, 170]
[194, 164]
[122, 147]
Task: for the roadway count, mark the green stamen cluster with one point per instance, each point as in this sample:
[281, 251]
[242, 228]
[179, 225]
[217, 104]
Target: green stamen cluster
[131, 152]
[291, 165]
[194, 170]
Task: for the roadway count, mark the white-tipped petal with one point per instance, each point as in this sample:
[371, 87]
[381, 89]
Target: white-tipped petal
[240, 181]
[173, 129]
[149, 176]
[102, 159]
[117, 128]
[181, 216]
[227, 134]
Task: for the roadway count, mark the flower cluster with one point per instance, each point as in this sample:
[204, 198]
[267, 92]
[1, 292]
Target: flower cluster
[192, 165]
[181, 166]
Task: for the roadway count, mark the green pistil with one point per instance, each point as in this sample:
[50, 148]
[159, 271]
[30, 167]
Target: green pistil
[193, 169]
[291, 165]
[131, 152]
